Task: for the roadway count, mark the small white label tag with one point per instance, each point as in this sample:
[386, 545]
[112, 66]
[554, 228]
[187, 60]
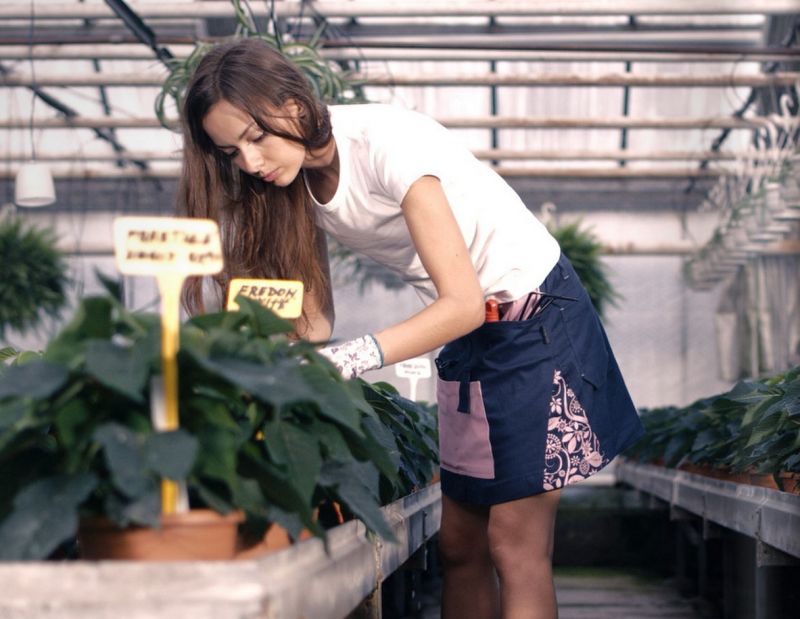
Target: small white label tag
[160, 245]
[418, 367]
[282, 296]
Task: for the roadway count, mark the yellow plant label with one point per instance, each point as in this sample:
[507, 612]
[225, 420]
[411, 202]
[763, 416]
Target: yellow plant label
[161, 245]
[169, 248]
[282, 296]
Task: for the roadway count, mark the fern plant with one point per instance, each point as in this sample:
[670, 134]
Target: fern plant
[583, 250]
[34, 279]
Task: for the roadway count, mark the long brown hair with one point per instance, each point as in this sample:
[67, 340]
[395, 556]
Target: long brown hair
[267, 231]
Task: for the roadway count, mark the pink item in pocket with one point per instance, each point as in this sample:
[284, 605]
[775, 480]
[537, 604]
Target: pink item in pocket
[522, 308]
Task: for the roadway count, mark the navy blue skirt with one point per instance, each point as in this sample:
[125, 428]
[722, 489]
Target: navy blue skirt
[532, 405]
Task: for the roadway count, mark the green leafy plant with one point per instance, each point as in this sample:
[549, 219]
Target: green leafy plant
[34, 281]
[268, 426]
[583, 250]
[330, 82]
[754, 427]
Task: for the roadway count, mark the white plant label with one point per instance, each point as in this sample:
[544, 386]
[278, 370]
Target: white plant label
[413, 370]
[418, 367]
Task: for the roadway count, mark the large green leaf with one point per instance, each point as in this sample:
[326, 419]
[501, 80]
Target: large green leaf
[123, 451]
[45, 515]
[277, 487]
[382, 448]
[286, 382]
[144, 510]
[359, 490]
[329, 435]
[70, 420]
[170, 454]
[92, 320]
[275, 385]
[299, 451]
[37, 379]
[748, 392]
[263, 321]
[216, 457]
[124, 369]
[10, 413]
[335, 401]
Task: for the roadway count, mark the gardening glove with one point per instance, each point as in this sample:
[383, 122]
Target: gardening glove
[354, 357]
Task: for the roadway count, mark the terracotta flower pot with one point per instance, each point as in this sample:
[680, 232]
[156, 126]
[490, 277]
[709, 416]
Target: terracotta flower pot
[789, 482]
[276, 538]
[196, 535]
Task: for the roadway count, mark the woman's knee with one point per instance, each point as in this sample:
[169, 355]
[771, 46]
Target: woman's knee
[520, 534]
[463, 537]
[518, 559]
[457, 548]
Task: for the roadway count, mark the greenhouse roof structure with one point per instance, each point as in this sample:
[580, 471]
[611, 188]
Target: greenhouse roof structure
[635, 104]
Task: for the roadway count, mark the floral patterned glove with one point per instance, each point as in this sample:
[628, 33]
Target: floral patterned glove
[355, 357]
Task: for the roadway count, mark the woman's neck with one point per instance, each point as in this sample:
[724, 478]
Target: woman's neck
[322, 171]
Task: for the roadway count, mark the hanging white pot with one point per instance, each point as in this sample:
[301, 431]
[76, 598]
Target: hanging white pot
[33, 186]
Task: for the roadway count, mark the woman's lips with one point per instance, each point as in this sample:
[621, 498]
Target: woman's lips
[271, 176]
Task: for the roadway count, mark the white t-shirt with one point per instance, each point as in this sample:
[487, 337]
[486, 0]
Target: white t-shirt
[383, 150]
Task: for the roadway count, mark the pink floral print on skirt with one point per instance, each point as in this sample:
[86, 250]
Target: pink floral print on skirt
[572, 452]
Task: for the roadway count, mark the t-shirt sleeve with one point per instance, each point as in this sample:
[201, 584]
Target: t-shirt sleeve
[405, 147]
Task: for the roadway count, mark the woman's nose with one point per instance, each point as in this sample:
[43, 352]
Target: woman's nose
[251, 159]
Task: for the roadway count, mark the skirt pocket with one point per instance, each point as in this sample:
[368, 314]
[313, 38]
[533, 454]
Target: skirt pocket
[587, 343]
[464, 443]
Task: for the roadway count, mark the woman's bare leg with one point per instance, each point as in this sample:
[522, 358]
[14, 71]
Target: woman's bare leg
[521, 546]
[469, 584]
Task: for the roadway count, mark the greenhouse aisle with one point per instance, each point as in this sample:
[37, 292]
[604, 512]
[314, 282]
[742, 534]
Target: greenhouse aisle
[585, 593]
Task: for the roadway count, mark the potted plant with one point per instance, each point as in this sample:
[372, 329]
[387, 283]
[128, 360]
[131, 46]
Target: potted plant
[34, 281]
[750, 434]
[267, 427]
[330, 81]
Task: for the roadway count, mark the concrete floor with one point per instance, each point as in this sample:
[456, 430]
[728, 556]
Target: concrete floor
[592, 593]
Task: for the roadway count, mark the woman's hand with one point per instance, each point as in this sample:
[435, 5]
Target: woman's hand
[355, 357]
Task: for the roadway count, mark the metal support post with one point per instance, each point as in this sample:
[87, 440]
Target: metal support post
[776, 578]
[418, 560]
[370, 607]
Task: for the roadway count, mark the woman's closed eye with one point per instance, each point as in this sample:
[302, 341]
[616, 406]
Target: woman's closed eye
[229, 155]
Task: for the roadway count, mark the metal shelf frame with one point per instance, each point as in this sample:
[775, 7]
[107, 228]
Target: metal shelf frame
[304, 580]
[770, 516]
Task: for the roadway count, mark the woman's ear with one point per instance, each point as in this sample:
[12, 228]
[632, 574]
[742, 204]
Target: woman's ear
[293, 109]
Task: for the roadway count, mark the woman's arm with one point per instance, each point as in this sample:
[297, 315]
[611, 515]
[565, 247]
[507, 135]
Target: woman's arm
[318, 304]
[441, 247]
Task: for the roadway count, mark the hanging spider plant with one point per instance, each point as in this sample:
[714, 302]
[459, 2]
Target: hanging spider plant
[330, 82]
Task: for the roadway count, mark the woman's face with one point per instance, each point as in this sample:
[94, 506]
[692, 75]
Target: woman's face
[269, 157]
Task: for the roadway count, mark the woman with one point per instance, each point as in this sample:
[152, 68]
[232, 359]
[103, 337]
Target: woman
[527, 404]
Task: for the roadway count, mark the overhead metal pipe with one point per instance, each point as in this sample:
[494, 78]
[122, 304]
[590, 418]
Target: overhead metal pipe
[491, 154]
[506, 171]
[756, 80]
[477, 122]
[181, 51]
[424, 8]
